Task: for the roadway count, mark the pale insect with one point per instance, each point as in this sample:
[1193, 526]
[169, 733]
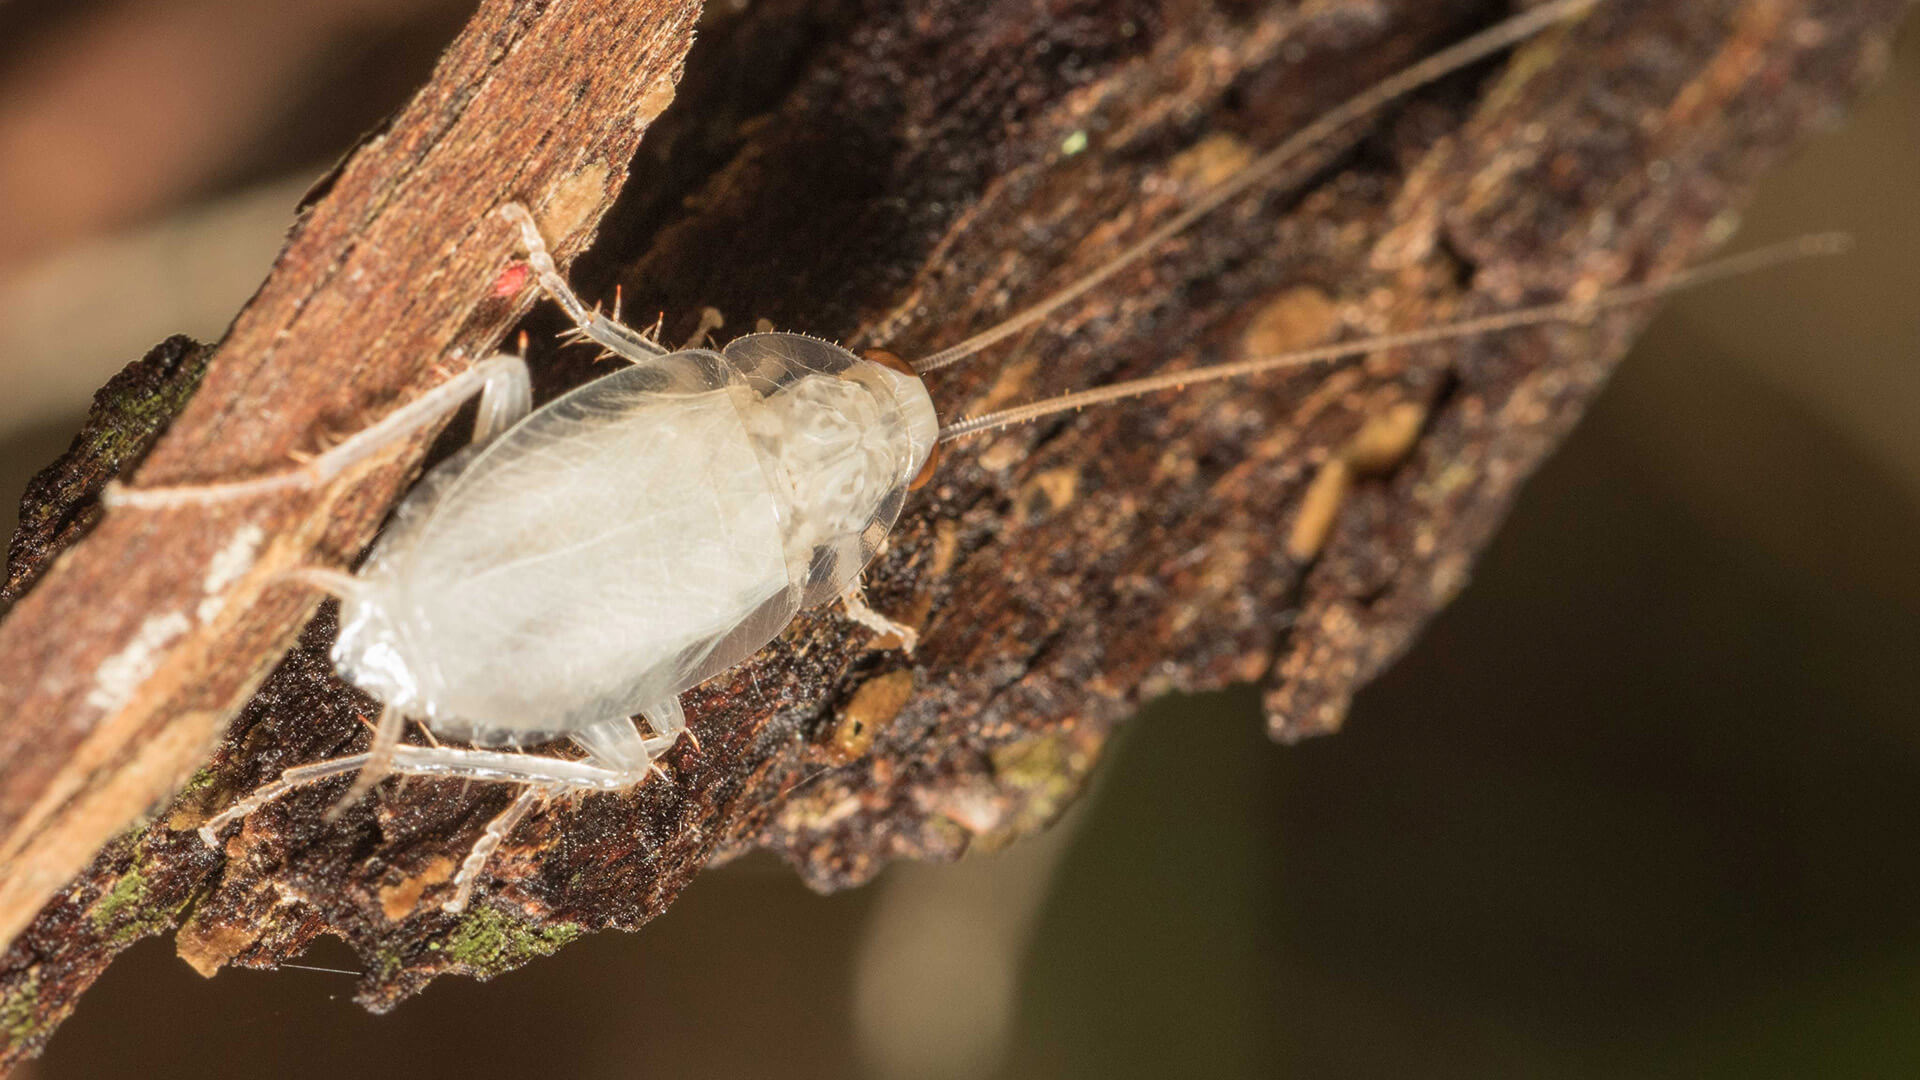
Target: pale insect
[655, 527]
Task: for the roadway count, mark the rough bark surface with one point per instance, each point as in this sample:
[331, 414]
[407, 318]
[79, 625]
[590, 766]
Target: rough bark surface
[883, 173]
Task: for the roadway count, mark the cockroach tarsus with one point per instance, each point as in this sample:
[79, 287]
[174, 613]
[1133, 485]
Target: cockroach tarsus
[654, 527]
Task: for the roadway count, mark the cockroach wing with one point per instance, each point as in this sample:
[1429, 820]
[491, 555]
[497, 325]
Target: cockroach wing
[634, 537]
[583, 566]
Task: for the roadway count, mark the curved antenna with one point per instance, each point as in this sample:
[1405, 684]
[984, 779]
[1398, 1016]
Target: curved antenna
[1440, 64]
[1563, 311]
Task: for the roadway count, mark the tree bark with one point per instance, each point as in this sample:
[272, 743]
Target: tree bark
[892, 174]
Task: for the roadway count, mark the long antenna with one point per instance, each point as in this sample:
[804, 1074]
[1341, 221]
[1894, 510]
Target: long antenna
[1440, 64]
[1564, 311]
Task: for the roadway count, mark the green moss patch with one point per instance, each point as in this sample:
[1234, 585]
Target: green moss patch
[489, 942]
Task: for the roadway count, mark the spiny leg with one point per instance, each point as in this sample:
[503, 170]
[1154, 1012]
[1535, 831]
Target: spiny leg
[619, 744]
[669, 722]
[855, 601]
[610, 333]
[543, 777]
[491, 838]
[386, 739]
[297, 777]
[505, 397]
[451, 762]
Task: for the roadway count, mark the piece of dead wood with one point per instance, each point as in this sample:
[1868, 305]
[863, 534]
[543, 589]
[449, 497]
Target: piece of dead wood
[887, 175]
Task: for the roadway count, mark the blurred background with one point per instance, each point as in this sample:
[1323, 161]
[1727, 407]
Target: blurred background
[1642, 802]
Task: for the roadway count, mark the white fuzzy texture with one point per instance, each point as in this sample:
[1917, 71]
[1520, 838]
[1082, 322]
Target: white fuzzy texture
[225, 568]
[119, 675]
[579, 565]
[632, 539]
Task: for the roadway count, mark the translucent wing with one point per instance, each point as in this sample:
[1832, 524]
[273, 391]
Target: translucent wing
[592, 557]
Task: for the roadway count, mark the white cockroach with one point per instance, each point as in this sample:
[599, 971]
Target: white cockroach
[650, 529]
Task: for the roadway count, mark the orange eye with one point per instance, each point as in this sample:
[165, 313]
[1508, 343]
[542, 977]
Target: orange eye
[891, 360]
[926, 471]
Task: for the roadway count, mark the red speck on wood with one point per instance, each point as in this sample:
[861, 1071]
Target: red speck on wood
[511, 280]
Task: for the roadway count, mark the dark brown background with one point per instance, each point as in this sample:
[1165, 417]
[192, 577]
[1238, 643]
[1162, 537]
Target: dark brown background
[1638, 803]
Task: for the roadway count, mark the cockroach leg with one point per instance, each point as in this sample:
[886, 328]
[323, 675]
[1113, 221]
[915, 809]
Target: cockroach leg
[505, 396]
[490, 840]
[855, 601]
[611, 334]
[386, 737]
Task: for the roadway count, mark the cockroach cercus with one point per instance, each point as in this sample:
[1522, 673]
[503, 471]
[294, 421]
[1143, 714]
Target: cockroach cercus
[654, 527]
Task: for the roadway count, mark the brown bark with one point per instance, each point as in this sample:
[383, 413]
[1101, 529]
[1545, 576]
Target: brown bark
[888, 174]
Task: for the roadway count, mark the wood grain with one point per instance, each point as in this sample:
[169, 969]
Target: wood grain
[120, 665]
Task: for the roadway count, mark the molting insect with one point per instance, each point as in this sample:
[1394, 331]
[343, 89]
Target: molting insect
[639, 535]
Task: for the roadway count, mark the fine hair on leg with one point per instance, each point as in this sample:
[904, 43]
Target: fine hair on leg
[542, 777]
[491, 838]
[386, 738]
[669, 721]
[618, 743]
[612, 335]
[449, 762]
